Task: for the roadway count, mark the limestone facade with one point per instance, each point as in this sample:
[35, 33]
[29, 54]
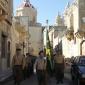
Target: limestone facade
[35, 40]
[55, 34]
[74, 18]
[35, 35]
[20, 34]
[6, 12]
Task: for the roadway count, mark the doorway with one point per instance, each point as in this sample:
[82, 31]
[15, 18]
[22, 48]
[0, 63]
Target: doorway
[8, 55]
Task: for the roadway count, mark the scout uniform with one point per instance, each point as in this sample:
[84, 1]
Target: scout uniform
[28, 65]
[18, 65]
[40, 66]
[59, 68]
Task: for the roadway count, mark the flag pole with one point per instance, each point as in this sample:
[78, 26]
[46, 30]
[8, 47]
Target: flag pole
[47, 34]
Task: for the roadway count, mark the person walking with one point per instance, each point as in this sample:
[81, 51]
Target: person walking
[28, 65]
[18, 64]
[40, 68]
[24, 69]
[59, 67]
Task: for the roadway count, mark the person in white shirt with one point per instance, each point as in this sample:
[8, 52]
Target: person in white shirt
[40, 68]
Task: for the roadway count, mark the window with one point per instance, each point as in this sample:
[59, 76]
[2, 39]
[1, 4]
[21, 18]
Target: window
[3, 46]
[55, 34]
[8, 55]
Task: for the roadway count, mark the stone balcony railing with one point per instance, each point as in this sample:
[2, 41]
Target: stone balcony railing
[8, 19]
[80, 33]
[4, 5]
[70, 34]
[4, 11]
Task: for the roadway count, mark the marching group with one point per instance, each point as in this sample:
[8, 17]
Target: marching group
[24, 67]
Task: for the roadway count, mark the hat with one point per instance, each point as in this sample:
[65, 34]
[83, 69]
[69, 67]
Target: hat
[41, 52]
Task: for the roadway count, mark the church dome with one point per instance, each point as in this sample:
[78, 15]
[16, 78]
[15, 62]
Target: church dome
[27, 9]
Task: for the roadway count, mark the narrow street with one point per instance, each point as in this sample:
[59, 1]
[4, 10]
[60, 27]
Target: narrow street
[51, 81]
[40, 36]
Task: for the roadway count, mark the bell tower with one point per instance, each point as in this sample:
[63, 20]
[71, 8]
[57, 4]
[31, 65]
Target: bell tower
[59, 20]
[27, 9]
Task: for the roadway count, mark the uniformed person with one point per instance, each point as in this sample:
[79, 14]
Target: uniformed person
[59, 67]
[40, 68]
[28, 65]
[18, 66]
[24, 68]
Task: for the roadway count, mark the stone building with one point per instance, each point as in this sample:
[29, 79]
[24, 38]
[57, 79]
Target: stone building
[20, 35]
[27, 10]
[74, 18]
[56, 33]
[6, 12]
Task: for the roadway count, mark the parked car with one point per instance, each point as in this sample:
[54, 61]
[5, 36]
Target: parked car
[78, 70]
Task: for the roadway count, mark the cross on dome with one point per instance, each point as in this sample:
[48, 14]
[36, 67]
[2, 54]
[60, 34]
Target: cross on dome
[26, 1]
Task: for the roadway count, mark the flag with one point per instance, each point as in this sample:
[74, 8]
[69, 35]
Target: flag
[48, 46]
[48, 53]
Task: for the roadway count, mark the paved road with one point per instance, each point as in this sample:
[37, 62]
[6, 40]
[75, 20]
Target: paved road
[51, 81]
[33, 81]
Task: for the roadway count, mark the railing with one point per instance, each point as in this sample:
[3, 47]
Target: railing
[4, 5]
[8, 19]
[70, 34]
[80, 33]
[3, 9]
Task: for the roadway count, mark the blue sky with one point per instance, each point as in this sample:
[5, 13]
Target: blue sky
[47, 9]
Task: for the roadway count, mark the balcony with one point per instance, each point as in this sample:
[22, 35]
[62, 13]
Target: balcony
[70, 34]
[80, 34]
[8, 19]
[4, 5]
[21, 29]
[2, 14]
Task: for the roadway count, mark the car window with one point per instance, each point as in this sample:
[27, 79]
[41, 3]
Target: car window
[82, 61]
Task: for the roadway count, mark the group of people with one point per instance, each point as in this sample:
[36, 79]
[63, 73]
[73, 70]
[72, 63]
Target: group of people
[20, 64]
[40, 68]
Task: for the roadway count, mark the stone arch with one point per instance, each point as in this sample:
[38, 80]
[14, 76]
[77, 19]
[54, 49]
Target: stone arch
[81, 47]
